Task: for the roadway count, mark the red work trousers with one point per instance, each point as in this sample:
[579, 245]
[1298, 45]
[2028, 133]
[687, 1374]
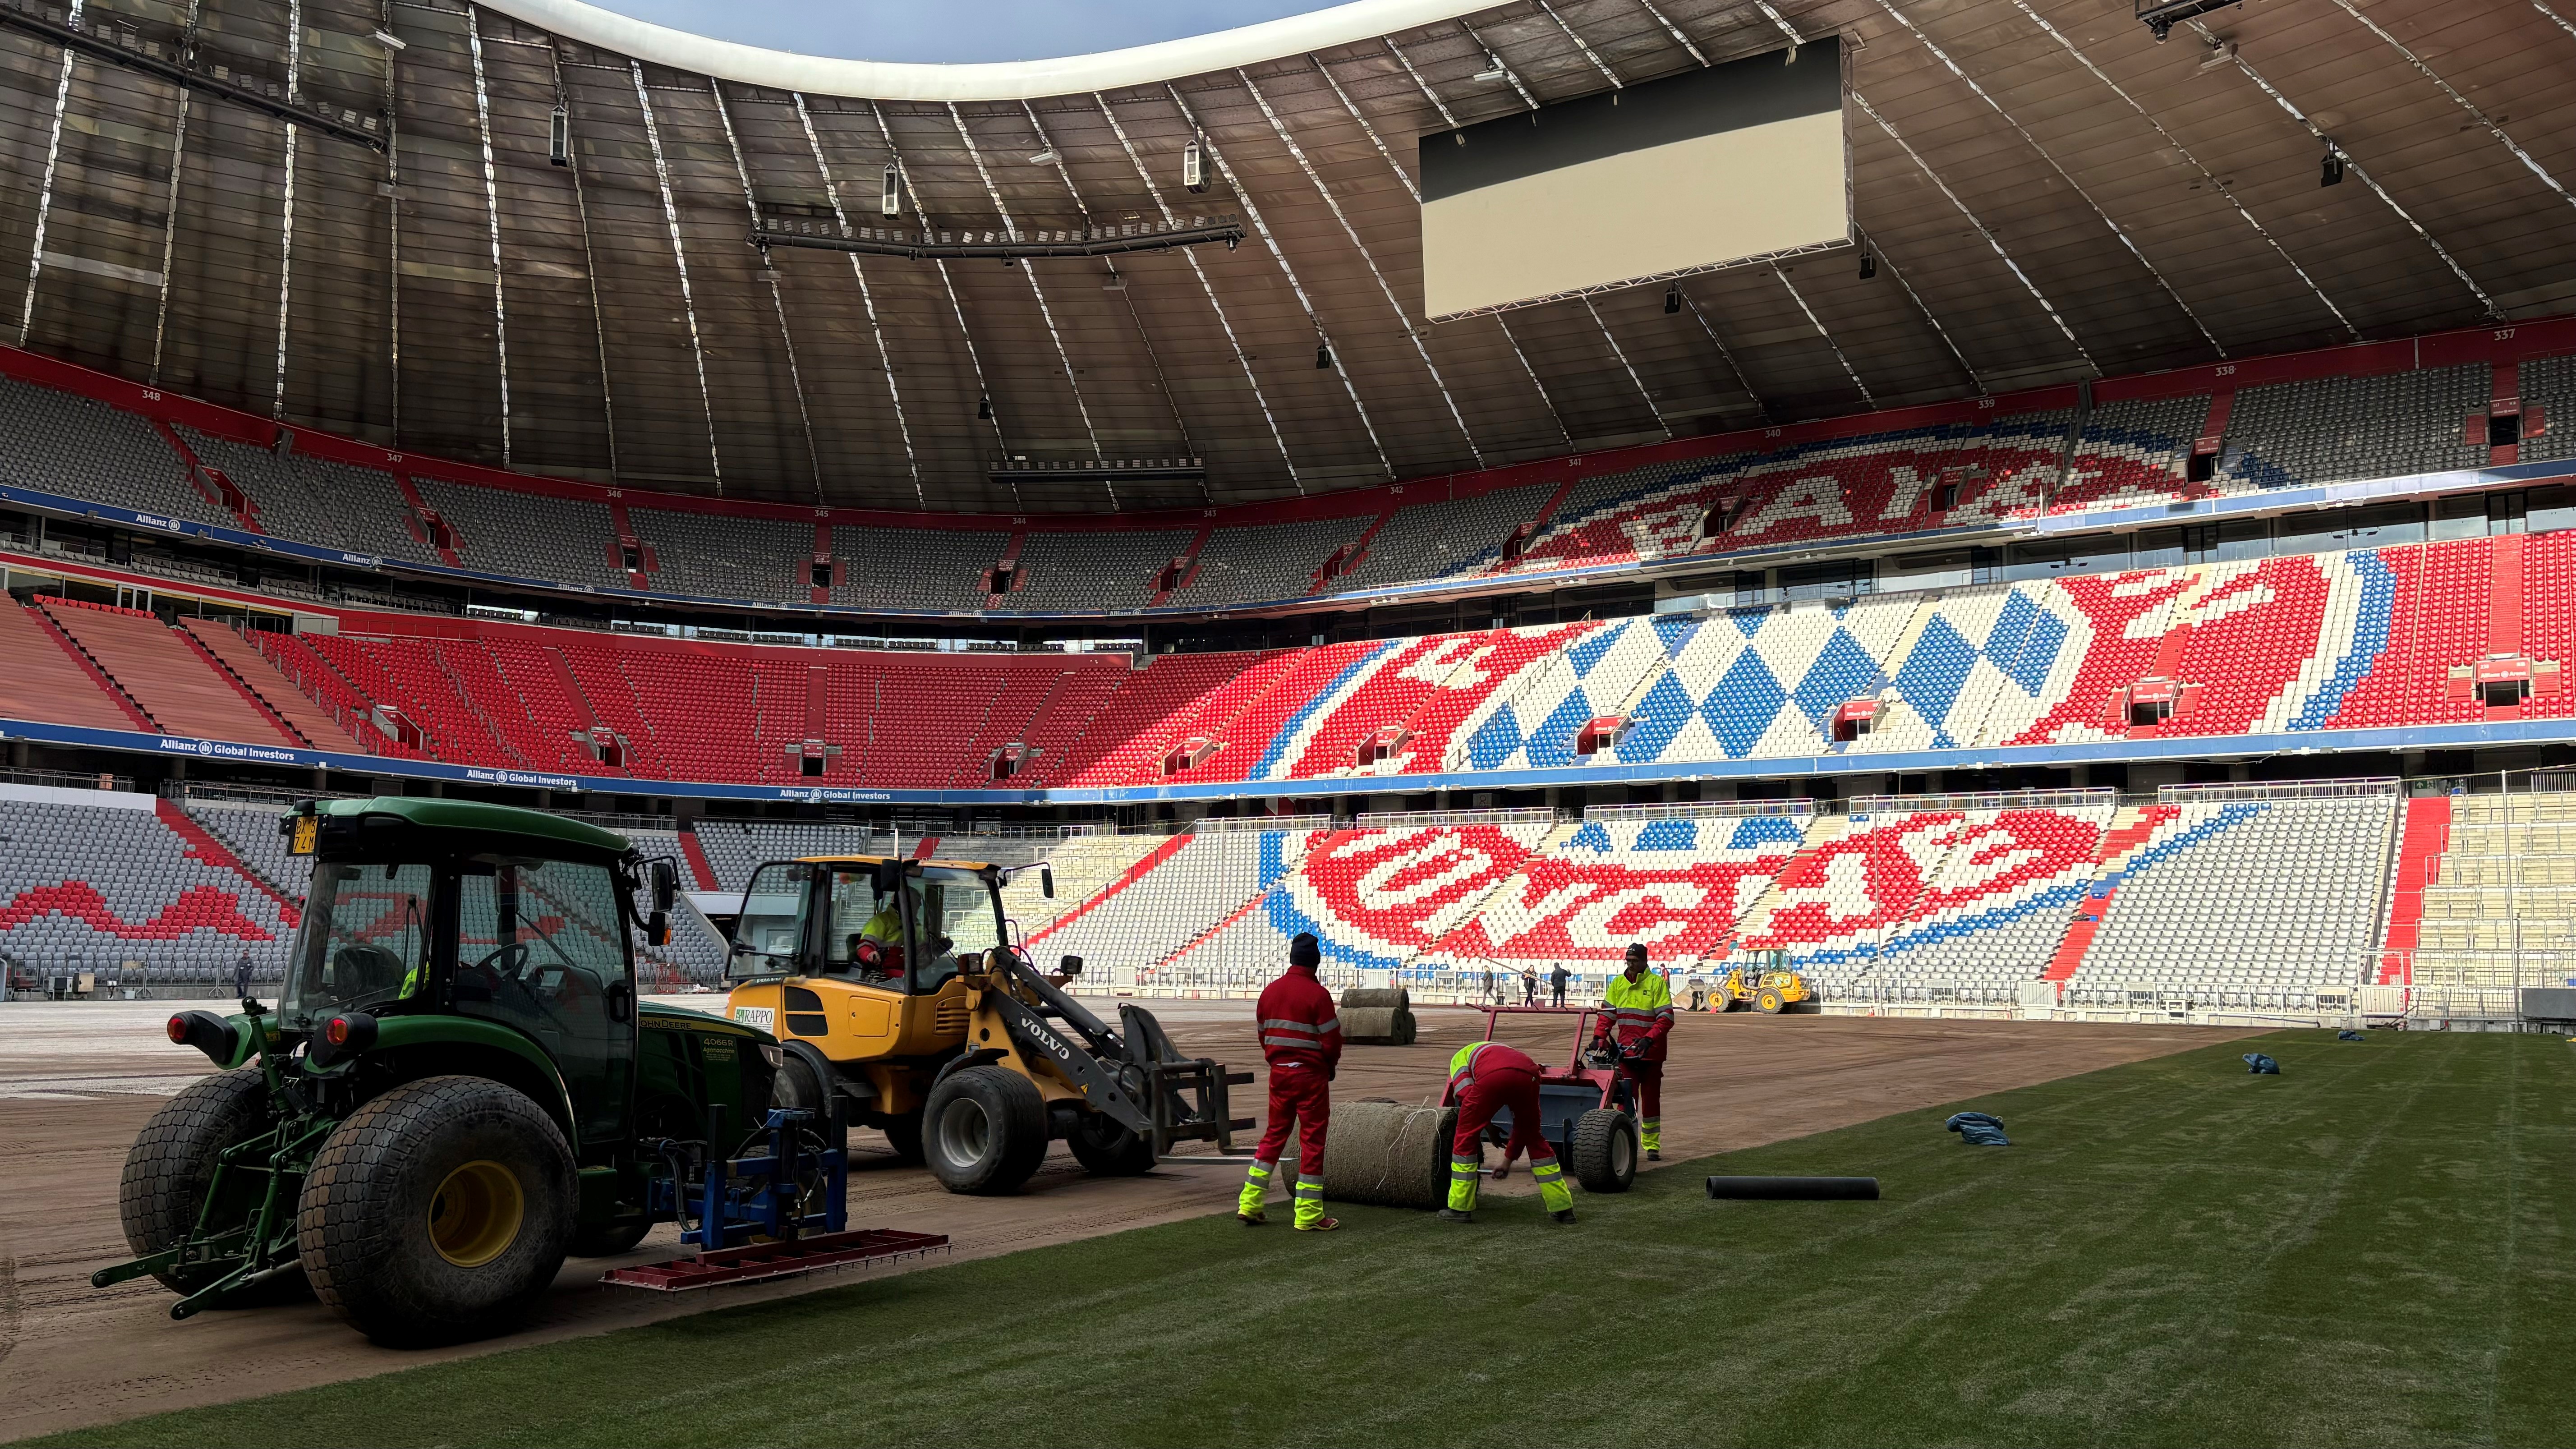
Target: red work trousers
[1493, 1090]
[1300, 1093]
[1649, 1080]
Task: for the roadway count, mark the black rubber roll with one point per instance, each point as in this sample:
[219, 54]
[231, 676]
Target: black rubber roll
[1796, 1189]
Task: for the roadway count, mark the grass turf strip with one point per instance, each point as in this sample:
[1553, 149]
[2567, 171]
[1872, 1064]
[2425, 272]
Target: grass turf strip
[2372, 1248]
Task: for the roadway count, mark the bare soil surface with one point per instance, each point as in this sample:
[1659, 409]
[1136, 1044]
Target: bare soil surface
[78, 1081]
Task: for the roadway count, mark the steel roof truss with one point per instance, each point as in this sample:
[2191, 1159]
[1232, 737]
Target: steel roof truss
[867, 298]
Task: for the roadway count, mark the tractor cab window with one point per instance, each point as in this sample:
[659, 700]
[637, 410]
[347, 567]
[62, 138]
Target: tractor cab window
[365, 941]
[864, 937]
[959, 919]
[769, 935]
[541, 946]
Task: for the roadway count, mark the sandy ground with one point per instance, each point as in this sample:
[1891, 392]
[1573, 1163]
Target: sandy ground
[78, 1080]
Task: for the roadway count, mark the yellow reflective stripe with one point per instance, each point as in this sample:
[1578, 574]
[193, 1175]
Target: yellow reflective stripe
[1545, 1169]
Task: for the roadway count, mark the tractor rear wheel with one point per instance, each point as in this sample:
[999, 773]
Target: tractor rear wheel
[984, 1131]
[1769, 1001]
[173, 1163]
[437, 1212]
[1604, 1147]
[1106, 1148]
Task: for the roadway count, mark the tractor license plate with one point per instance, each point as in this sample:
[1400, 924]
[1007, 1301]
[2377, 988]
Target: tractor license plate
[307, 827]
[758, 1018]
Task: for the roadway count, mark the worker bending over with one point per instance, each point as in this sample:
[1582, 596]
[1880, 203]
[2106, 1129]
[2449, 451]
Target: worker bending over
[1637, 1016]
[1486, 1078]
[1301, 1039]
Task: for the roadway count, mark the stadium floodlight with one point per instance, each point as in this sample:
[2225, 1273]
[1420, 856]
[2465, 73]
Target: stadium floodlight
[1194, 166]
[984, 408]
[1323, 355]
[1868, 266]
[389, 40]
[1494, 69]
[2331, 172]
[1043, 158]
[2161, 16]
[2221, 53]
[559, 136]
[1672, 299]
[890, 200]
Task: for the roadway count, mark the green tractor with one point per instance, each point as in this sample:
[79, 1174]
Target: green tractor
[459, 1087]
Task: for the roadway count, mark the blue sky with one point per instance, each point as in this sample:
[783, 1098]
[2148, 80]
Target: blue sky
[956, 30]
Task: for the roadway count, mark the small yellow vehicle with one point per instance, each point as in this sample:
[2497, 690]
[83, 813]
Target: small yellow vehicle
[1766, 985]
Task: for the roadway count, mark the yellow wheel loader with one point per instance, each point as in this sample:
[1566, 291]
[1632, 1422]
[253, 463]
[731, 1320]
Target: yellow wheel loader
[900, 1002]
[1767, 985]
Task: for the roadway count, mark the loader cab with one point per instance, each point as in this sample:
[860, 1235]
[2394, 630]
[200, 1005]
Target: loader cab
[908, 927]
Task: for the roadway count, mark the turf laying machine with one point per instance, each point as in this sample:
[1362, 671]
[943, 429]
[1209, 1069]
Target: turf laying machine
[459, 1086]
[901, 1002]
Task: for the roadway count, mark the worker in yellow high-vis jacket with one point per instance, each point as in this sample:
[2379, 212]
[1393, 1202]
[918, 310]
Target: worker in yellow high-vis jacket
[1636, 1019]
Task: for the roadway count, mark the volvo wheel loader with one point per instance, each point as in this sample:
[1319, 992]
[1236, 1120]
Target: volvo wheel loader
[459, 1086]
[901, 1002]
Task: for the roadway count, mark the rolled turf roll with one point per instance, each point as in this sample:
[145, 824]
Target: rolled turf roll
[1389, 1155]
[1798, 1189]
[1395, 998]
[1377, 1026]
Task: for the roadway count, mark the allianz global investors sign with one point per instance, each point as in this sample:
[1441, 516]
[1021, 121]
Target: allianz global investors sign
[1733, 163]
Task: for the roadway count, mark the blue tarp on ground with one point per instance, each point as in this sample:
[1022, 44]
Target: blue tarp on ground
[2261, 1065]
[1976, 1129]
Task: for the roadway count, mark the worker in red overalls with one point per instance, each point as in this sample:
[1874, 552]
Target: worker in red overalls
[1301, 1039]
[1486, 1077]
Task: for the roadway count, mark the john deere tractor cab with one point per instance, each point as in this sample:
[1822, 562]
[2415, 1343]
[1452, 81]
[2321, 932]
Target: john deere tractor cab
[901, 1002]
[459, 1086]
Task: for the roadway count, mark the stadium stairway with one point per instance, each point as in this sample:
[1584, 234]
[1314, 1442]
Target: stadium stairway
[45, 676]
[2131, 829]
[203, 846]
[2423, 836]
[179, 688]
[261, 678]
[702, 873]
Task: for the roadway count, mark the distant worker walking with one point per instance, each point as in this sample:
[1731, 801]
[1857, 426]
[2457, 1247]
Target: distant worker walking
[1301, 1039]
[1557, 976]
[1637, 1016]
[1486, 1078]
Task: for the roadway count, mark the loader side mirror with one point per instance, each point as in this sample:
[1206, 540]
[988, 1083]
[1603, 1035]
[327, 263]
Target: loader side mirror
[1046, 881]
[889, 874]
[666, 888]
[657, 928]
[1069, 966]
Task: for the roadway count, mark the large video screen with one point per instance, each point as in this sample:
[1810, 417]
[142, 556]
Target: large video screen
[1728, 164]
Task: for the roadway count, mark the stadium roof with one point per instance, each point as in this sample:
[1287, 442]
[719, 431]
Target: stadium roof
[2049, 194]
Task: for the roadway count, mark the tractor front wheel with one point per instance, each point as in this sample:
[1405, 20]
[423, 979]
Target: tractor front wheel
[1769, 1001]
[1106, 1148]
[1604, 1148]
[437, 1212]
[173, 1163]
[984, 1131]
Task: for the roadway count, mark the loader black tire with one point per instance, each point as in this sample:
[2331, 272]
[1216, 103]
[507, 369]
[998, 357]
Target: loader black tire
[807, 1079]
[1106, 1148]
[1769, 1002]
[903, 1134]
[173, 1162]
[1604, 1148]
[438, 1212]
[984, 1131]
